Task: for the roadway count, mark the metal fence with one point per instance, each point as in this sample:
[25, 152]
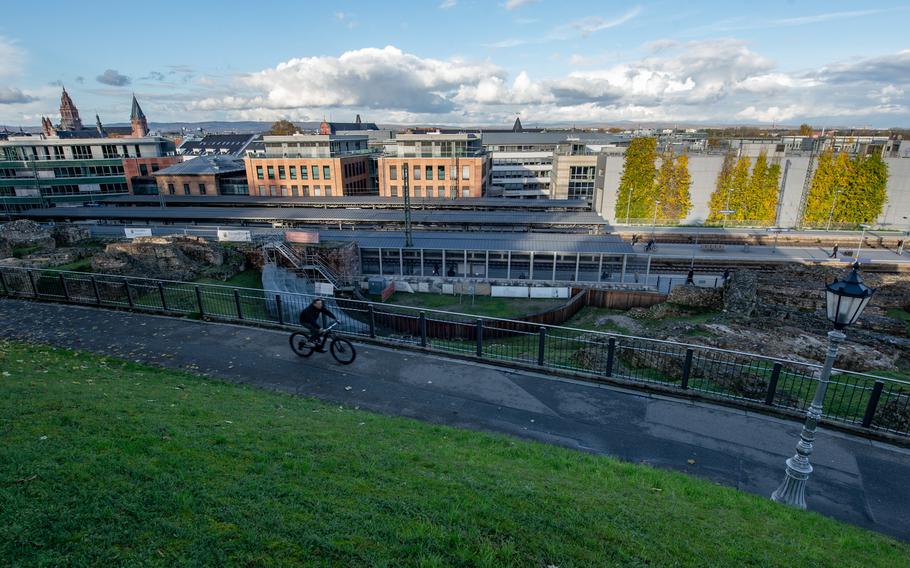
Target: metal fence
[877, 403]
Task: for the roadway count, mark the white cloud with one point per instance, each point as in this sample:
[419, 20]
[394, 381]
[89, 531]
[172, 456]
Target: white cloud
[447, 4]
[589, 25]
[513, 4]
[12, 58]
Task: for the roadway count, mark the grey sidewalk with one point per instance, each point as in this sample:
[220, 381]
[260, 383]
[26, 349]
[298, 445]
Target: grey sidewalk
[856, 480]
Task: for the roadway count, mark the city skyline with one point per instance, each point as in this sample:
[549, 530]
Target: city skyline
[465, 63]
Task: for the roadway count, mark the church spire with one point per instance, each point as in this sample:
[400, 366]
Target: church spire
[517, 126]
[69, 114]
[99, 127]
[138, 121]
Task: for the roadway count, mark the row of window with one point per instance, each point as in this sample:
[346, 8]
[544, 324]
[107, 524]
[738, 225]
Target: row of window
[88, 171]
[581, 172]
[74, 189]
[292, 170]
[428, 173]
[295, 191]
[186, 189]
[520, 174]
[441, 192]
[352, 169]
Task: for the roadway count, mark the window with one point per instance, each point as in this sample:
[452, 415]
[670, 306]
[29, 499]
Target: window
[273, 191]
[82, 152]
[453, 172]
[107, 151]
[154, 167]
[581, 182]
[440, 173]
[138, 153]
[393, 191]
[303, 173]
[315, 171]
[259, 173]
[186, 189]
[281, 173]
[316, 190]
[170, 188]
[326, 172]
[429, 173]
[261, 190]
[440, 191]
[416, 172]
[465, 172]
[143, 170]
[201, 189]
[453, 192]
[393, 173]
[418, 191]
[306, 188]
[284, 191]
[293, 172]
[466, 192]
[294, 189]
[271, 171]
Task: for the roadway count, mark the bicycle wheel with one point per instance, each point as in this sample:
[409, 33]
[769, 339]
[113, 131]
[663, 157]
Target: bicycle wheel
[299, 344]
[343, 351]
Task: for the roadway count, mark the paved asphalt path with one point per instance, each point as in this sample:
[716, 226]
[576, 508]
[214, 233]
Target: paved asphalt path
[856, 480]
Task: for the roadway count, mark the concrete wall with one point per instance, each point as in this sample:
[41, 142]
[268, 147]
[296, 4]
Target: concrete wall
[704, 170]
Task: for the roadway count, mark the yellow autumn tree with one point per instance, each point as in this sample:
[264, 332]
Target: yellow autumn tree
[828, 183]
[635, 198]
[739, 189]
[673, 188]
[720, 197]
[767, 208]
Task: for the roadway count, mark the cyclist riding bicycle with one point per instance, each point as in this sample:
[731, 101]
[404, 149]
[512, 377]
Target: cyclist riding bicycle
[309, 318]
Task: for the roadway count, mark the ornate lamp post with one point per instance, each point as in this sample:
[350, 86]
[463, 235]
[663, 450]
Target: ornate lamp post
[846, 300]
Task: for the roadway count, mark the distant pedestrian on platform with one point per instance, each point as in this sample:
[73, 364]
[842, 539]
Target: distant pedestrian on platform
[650, 246]
[726, 275]
[634, 239]
[690, 277]
[834, 251]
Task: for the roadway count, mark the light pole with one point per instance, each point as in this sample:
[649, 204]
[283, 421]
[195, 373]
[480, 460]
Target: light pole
[846, 300]
[900, 251]
[727, 212]
[861, 239]
[629, 204]
[831, 213]
[654, 223]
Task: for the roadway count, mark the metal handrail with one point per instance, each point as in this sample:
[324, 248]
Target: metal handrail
[473, 318]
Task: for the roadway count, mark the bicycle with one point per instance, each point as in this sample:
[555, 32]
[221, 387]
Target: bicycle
[341, 349]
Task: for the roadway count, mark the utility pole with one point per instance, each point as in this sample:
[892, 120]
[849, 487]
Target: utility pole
[408, 241]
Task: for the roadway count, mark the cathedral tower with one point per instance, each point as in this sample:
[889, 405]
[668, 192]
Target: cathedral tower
[69, 114]
[137, 120]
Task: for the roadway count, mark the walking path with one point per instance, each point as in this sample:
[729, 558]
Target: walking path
[856, 480]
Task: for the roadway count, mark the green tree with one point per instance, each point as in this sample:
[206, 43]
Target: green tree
[846, 190]
[767, 209]
[672, 187]
[636, 195]
[752, 199]
[283, 128]
[720, 197]
[805, 130]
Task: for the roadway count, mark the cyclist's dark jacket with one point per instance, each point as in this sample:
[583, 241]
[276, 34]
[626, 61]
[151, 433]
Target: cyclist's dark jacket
[310, 315]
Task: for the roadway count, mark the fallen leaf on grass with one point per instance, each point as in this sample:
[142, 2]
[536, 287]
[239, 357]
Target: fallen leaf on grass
[690, 461]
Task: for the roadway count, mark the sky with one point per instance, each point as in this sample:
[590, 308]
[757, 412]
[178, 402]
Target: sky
[467, 62]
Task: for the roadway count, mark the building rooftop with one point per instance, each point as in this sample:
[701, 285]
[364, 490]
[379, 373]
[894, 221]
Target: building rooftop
[217, 144]
[353, 216]
[204, 165]
[493, 241]
[550, 137]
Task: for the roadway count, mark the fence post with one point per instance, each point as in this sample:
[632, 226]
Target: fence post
[237, 303]
[6, 289]
[772, 384]
[541, 345]
[96, 290]
[162, 296]
[423, 329]
[280, 308]
[129, 294]
[66, 290]
[31, 278]
[687, 369]
[199, 301]
[372, 321]
[873, 404]
[479, 337]
[611, 349]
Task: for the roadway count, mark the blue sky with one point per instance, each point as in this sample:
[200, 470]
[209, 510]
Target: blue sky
[462, 61]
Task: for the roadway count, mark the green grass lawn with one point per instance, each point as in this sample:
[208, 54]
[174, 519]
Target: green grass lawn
[111, 463]
[246, 279]
[481, 305]
[902, 315]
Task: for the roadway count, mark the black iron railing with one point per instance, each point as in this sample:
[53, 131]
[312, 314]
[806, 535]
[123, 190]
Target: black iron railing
[859, 399]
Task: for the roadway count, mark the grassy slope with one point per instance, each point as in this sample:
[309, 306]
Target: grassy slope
[106, 462]
[246, 279]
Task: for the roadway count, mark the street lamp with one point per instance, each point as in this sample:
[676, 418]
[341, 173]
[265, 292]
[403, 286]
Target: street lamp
[861, 239]
[654, 223]
[726, 212]
[846, 299]
[831, 213]
[900, 251]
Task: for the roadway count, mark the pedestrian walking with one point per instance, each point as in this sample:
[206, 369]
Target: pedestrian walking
[690, 277]
[726, 275]
[834, 251]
